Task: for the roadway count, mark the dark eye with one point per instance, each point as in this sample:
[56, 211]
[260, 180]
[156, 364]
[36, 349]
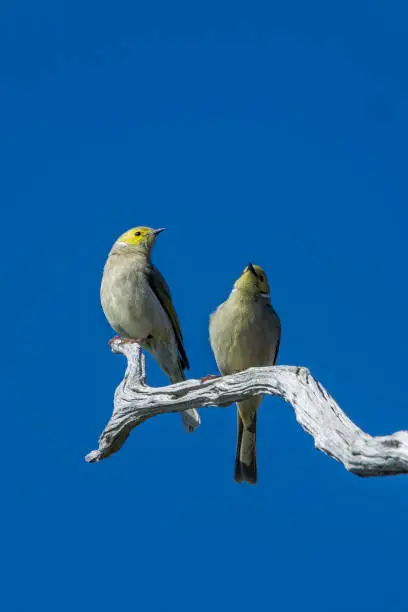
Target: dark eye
[261, 278]
[137, 233]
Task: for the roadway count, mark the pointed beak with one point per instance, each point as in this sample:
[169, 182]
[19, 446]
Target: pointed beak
[252, 269]
[158, 231]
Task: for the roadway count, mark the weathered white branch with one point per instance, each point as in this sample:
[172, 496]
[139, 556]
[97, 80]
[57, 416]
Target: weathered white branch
[316, 411]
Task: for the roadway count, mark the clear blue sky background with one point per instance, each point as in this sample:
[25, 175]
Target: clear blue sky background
[275, 133]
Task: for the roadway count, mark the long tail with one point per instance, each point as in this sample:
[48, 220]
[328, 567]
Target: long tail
[245, 460]
[191, 418]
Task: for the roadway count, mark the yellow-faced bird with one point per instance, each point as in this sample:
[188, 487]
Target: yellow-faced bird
[137, 303]
[245, 332]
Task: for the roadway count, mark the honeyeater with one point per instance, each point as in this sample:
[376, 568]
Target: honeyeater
[245, 332]
[137, 303]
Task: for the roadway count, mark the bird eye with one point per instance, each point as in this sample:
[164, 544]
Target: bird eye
[137, 233]
[261, 278]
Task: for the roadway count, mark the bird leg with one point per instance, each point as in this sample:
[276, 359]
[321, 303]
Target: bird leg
[209, 377]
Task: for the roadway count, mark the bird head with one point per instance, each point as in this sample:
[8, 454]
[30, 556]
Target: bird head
[141, 238]
[253, 281]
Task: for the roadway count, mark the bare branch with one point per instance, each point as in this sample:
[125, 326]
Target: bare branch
[316, 411]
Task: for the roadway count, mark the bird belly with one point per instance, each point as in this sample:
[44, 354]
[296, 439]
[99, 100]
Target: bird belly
[133, 310]
[240, 340]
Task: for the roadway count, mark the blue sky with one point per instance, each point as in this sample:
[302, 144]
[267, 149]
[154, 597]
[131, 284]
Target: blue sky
[275, 133]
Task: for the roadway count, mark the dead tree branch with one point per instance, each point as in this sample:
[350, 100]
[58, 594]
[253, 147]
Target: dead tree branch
[315, 410]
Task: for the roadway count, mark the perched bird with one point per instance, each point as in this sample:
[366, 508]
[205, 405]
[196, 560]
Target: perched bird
[137, 303]
[245, 332]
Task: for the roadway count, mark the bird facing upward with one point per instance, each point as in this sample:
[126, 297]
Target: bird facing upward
[245, 332]
[137, 303]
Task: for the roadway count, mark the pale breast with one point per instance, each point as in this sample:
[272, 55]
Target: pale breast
[129, 303]
[244, 336]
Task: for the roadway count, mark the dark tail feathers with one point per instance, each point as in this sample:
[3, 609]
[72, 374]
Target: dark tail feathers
[245, 461]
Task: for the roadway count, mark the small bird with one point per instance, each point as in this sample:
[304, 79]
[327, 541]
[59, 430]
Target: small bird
[137, 303]
[245, 332]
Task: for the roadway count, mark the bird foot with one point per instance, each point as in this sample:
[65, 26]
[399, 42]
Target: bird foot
[209, 377]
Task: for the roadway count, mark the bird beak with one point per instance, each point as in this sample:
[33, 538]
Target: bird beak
[158, 231]
[252, 269]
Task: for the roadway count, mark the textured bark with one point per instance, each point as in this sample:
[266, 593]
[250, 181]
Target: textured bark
[315, 410]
